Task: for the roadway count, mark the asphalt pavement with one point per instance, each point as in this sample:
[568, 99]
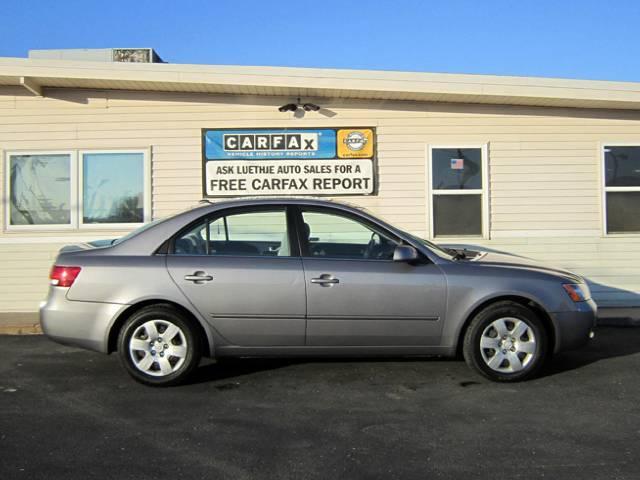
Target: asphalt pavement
[72, 414]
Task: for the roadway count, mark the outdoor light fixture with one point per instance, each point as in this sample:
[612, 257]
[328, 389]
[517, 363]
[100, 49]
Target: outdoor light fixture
[293, 107]
[289, 107]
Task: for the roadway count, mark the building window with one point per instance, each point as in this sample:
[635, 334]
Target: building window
[112, 187]
[61, 190]
[622, 189]
[458, 192]
[39, 187]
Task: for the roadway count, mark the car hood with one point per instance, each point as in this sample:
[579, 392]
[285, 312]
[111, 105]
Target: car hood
[514, 261]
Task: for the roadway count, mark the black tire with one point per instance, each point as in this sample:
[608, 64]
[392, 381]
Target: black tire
[530, 363]
[188, 339]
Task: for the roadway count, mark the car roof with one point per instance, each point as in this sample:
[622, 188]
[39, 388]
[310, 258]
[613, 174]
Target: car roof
[270, 200]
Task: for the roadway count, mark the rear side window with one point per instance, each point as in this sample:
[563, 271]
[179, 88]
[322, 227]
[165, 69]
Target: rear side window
[192, 242]
[259, 233]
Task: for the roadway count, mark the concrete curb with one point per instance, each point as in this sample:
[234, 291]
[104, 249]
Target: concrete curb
[20, 329]
[19, 323]
[27, 323]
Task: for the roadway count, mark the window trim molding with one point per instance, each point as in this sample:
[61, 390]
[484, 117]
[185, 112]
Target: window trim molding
[484, 191]
[146, 189]
[604, 189]
[73, 191]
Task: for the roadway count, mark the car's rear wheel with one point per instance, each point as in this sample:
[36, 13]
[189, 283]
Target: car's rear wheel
[158, 346]
[506, 342]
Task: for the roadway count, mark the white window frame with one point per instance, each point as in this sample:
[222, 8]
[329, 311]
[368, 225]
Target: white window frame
[146, 190]
[484, 191]
[73, 193]
[76, 200]
[605, 189]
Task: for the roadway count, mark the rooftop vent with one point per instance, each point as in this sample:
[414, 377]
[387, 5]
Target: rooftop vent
[129, 55]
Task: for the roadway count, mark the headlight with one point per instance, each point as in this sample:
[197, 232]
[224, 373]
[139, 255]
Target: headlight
[579, 292]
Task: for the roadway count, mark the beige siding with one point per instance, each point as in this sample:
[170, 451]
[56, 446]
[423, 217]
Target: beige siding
[545, 199]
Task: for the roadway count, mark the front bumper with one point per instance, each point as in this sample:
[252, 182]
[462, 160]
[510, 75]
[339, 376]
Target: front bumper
[80, 324]
[573, 329]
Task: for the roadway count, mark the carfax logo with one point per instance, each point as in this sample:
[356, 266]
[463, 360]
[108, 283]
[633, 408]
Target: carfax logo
[271, 141]
[355, 141]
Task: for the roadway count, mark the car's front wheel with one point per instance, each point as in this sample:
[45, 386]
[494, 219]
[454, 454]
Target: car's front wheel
[158, 346]
[506, 342]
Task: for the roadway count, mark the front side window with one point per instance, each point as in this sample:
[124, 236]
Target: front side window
[39, 189]
[622, 189]
[258, 233]
[332, 235]
[113, 187]
[458, 192]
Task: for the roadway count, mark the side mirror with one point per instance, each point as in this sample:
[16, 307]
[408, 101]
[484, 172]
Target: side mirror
[405, 253]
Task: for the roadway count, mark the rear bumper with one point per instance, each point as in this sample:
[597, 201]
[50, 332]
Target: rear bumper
[80, 324]
[573, 329]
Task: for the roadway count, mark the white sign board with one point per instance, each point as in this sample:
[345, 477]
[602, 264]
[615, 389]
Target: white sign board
[288, 161]
[289, 177]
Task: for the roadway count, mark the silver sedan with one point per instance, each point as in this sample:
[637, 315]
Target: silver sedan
[295, 277]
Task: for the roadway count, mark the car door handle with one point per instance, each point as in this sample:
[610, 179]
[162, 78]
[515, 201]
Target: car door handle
[198, 277]
[325, 280]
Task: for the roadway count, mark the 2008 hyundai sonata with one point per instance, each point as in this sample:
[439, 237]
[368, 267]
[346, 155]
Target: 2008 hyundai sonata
[294, 277]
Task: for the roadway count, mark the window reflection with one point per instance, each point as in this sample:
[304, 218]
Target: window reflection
[113, 187]
[622, 165]
[623, 212]
[40, 189]
[457, 215]
[457, 168]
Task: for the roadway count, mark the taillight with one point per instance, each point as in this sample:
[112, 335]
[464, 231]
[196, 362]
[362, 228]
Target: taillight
[62, 276]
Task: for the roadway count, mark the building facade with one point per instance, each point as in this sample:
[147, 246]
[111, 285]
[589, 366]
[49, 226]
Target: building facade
[544, 168]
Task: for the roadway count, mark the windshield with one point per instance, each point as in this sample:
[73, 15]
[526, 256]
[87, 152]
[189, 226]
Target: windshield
[432, 246]
[438, 250]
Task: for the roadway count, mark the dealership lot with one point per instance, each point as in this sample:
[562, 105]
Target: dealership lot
[68, 413]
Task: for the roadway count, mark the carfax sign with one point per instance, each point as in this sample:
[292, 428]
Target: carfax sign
[288, 161]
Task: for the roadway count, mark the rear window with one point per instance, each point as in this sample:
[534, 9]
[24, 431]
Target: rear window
[138, 231]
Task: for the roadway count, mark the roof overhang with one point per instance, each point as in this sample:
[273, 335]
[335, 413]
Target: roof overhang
[37, 75]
